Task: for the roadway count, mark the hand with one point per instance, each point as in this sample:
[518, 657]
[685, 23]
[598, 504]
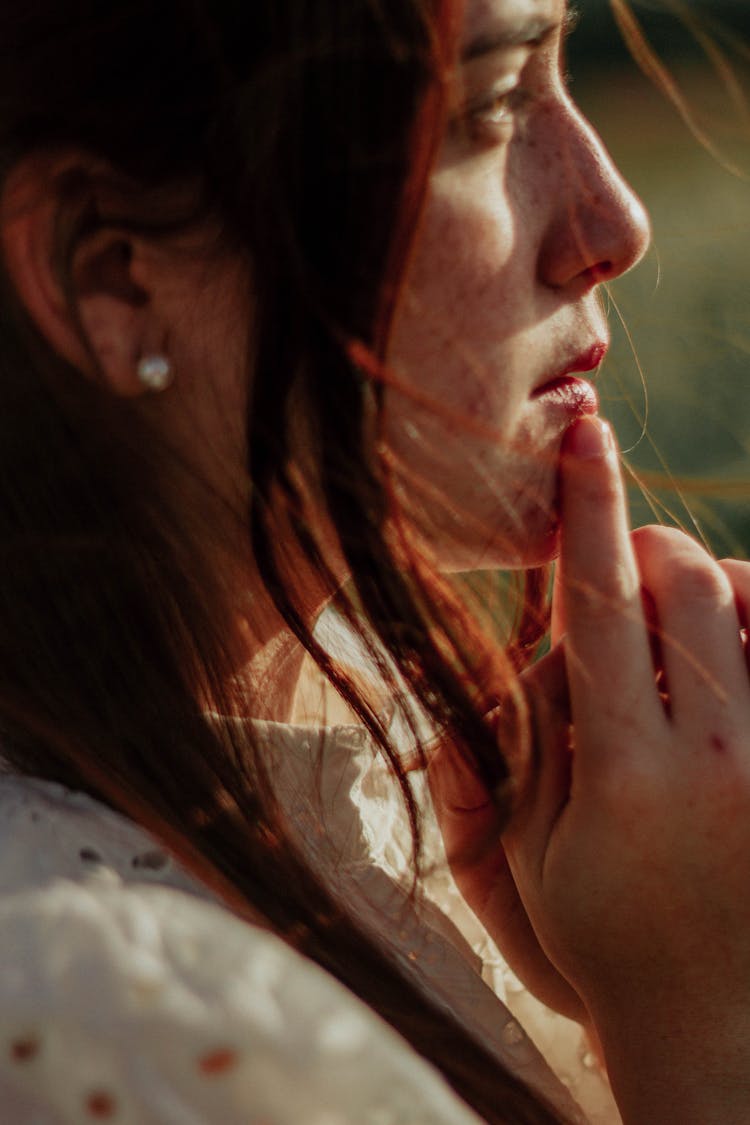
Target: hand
[471, 827]
[632, 853]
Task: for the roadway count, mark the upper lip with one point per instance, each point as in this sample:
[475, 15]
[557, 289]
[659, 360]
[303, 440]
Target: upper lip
[582, 362]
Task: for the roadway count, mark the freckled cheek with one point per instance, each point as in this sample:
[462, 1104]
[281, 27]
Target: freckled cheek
[463, 260]
[463, 307]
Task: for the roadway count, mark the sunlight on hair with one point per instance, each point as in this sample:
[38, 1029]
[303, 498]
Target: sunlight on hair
[641, 416]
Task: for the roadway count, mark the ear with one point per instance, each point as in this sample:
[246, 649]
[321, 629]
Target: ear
[81, 277]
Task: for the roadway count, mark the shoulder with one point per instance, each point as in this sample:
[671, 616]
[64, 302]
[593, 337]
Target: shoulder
[145, 1004]
[48, 832]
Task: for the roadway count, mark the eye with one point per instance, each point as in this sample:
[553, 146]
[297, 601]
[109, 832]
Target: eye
[490, 118]
[497, 111]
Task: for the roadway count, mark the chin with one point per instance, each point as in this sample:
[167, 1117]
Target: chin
[541, 549]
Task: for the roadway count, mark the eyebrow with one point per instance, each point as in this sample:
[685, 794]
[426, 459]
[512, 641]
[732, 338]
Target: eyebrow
[532, 32]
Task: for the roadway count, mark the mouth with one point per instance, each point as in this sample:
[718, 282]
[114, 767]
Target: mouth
[568, 389]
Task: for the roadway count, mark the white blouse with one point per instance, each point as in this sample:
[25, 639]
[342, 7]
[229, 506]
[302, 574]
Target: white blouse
[128, 994]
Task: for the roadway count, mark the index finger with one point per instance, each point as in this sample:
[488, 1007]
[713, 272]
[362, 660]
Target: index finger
[610, 671]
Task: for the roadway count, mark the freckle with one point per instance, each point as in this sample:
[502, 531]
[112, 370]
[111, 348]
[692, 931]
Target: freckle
[718, 744]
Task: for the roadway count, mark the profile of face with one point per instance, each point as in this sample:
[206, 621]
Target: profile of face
[524, 216]
[500, 318]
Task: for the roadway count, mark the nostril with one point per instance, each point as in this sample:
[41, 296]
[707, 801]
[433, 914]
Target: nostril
[602, 271]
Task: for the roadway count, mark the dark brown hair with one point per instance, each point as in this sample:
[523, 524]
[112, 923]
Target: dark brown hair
[309, 128]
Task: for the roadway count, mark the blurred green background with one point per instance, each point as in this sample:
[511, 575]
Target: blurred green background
[677, 381]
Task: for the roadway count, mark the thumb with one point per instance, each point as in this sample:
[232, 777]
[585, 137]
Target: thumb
[470, 819]
[467, 813]
[546, 688]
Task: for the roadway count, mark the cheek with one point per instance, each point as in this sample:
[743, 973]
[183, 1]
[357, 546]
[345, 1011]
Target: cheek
[462, 282]
[467, 460]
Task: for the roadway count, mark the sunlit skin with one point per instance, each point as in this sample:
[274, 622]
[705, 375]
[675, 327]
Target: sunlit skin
[619, 886]
[526, 215]
[624, 864]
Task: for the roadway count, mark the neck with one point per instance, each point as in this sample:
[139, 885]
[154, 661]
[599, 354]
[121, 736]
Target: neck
[266, 656]
[268, 680]
[269, 657]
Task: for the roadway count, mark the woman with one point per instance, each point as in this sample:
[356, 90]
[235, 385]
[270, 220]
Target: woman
[291, 294]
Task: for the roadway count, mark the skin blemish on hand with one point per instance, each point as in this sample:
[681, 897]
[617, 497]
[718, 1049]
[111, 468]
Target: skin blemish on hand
[718, 745]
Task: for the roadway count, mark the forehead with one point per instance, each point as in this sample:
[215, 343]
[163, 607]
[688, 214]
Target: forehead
[489, 20]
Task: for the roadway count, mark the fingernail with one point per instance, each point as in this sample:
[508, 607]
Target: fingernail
[590, 437]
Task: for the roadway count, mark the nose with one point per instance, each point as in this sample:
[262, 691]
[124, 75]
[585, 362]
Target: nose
[598, 228]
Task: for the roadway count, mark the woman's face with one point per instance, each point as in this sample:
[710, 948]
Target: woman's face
[525, 216]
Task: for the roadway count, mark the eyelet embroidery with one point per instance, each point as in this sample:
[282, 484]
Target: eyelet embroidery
[217, 1062]
[150, 861]
[89, 855]
[24, 1050]
[101, 1105]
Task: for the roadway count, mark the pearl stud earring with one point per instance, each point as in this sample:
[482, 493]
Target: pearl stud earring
[155, 372]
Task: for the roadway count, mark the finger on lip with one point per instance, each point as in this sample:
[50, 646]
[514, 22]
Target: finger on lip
[607, 644]
[588, 438]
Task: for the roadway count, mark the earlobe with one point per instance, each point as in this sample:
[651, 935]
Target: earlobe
[75, 276]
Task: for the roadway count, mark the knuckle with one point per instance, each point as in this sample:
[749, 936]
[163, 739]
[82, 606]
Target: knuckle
[677, 569]
[661, 532]
[605, 492]
[657, 547]
[654, 537]
[698, 581]
[659, 542]
[736, 570]
[594, 486]
[613, 593]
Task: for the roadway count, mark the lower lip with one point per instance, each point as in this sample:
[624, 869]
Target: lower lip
[576, 396]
